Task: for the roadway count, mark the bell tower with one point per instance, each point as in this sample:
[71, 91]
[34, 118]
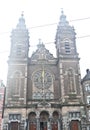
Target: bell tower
[19, 41]
[17, 63]
[68, 61]
[16, 91]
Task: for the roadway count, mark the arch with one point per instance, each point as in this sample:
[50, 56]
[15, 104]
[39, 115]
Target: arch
[44, 115]
[15, 82]
[49, 95]
[32, 121]
[31, 116]
[17, 72]
[75, 125]
[55, 115]
[37, 95]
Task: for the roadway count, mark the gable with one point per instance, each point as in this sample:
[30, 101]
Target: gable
[42, 53]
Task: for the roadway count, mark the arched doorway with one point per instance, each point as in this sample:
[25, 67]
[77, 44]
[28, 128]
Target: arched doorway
[54, 122]
[32, 121]
[14, 125]
[75, 125]
[44, 116]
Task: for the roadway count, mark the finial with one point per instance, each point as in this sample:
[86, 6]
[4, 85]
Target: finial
[62, 11]
[40, 44]
[39, 41]
[22, 14]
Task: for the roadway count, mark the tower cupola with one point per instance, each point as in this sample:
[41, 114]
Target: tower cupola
[19, 41]
[65, 38]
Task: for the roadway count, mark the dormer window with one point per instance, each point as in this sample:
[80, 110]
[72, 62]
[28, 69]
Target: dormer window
[87, 87]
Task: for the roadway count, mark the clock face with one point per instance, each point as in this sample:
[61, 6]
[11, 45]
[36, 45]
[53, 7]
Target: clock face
[42, 79]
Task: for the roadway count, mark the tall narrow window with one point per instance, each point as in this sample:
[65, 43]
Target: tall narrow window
[16, 84]
[67, 47]
[71, 79]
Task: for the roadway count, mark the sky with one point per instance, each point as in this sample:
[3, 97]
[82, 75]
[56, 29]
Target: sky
[42, 18]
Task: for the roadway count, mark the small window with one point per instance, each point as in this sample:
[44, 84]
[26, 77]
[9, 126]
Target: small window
[88, 99]
[47, 95]
[87, 87]
[14, 116]
[37, 95]
[51, 96]
[74, 114]
[67, 47]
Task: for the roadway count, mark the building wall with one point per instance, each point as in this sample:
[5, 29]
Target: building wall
[2, 91]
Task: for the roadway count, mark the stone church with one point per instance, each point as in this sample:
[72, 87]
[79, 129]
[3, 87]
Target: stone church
[45, 92]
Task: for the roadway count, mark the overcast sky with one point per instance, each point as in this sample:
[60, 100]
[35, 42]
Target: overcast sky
[45, 12]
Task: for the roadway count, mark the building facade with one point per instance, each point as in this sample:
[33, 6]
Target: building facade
[44, 92]
[2, 91]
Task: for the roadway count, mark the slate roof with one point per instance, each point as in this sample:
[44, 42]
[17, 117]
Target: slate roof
[87, 76]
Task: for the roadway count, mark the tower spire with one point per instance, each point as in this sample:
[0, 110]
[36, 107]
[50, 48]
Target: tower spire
[62, 11]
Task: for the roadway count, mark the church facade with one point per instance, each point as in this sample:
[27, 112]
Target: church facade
[44, 92]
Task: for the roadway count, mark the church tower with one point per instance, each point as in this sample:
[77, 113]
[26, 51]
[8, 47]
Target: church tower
[68, 61]
[69, 72]
[16, 92]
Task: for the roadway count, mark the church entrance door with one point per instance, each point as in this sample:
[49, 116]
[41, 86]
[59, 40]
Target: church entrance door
[44, 116]
[54, 126]
[14, 126]
[75, 125]
[32, 121]
[43, 125]
[32, 126]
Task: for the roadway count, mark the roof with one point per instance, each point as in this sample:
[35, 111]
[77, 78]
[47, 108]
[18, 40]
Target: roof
[87, 76]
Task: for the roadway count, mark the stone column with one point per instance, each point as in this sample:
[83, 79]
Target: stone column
[49, 121]
[38, 122]
[59, 126]
[49, 125]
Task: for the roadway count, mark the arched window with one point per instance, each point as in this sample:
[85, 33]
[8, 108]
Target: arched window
[16, 83]
[34, 95]
[47, 95]
[38, 95]
[71, 81]
[51, 96]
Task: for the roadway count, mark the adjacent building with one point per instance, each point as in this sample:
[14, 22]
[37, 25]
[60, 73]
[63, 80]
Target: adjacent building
[2, 90]
[45, 92]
